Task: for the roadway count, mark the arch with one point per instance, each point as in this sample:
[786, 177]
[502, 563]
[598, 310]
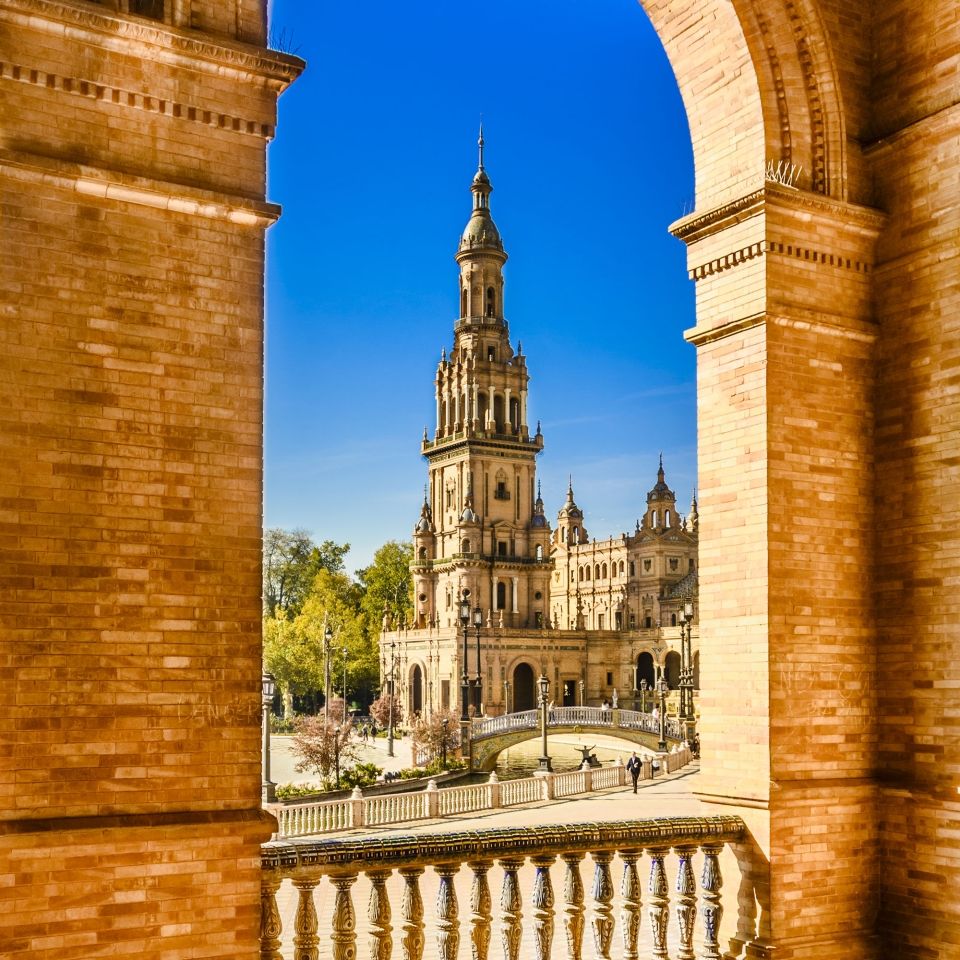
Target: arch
[463, 301]
[645, 669]
[596, 571]
[603, 572]
[671, 669]
[491, 303]
[524, 688]
[538, 553]
[621, 568]
[416, 690]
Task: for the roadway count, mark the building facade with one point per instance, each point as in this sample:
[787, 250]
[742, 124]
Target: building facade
[596, 618]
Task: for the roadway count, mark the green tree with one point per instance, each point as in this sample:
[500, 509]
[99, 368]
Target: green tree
[291, 562]
[293, 656]
[387, 585]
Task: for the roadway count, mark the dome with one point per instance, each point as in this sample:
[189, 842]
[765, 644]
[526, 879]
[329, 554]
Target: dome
[481, 231]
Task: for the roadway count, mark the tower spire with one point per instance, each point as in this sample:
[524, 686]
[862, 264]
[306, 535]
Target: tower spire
[480, 145]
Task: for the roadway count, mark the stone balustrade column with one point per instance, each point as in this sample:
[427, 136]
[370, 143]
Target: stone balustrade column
[356, 808]
[481, 908]
[630, 898]
[542, 901]
[602, 920]
[432, 800]
[711, 909]
[271, 927]
[305, 940]
[448, 923]
[659, 905]
[494, 784]
[573, 905]
[686, 908]
[411, 910]
[510, 905]
[378, 913]
[344, 932]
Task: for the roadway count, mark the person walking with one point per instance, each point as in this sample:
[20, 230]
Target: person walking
[633, 768]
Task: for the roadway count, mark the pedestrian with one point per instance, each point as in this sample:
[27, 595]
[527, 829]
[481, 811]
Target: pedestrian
[633, 768]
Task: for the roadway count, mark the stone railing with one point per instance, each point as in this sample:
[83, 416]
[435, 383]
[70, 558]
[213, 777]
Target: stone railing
[332, 816]
[390, 874]
[572, 717]
[525, 720]
[647, 723]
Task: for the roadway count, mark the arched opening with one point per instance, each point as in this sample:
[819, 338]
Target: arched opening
[463, 302]
[645, 669]
[490, 302]
[498, 412]
[483, 407]
[465, 545]
[416, 691]
[671, 668]
[524, 690]
[501, 595]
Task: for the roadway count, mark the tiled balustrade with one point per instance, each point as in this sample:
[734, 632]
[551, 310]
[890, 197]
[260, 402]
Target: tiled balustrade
[670, 919]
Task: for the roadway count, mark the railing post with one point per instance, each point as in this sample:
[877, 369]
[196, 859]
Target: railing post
[432, 794]
[305, 941]
[542, 902]
[344, 933]
[480, 905]
[621, 772]
[271, 926]
[686, 908]
[659, 904]
[646, 768]
[573, 906]
[356, 808]
[448, 923]
[494, 784]
[411, 909]
[710, 907]
[378, 913]
[548, 785]
[587, 779]
[510, 902]
[602, 920]
[630, 896]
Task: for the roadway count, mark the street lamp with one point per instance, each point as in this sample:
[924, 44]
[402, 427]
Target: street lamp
[344, 684]
[544, 684]
[687, 717]
[477, 623]
[643, 693]
[393, 667]
[336, 753]
[663, 688]
[445, 723]
[327, 638]
[464, 677]
[268, 790]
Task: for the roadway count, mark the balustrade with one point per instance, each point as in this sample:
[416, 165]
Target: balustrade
[457, 868]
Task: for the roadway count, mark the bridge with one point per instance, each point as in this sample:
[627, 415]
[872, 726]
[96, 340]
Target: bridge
[489, 738]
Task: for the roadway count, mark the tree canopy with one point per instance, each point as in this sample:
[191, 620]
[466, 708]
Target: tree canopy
[291, 561]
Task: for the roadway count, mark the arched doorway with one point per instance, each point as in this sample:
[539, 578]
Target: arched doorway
[645, 670]
[671, 669]
[416, 691]
[524, 689]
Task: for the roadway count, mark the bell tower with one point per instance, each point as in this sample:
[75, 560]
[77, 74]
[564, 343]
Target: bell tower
[489, 535]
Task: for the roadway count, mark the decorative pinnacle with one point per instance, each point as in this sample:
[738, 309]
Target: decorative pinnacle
[480, 142]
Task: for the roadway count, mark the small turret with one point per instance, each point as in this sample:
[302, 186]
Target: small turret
[570, 529]
[661, 505]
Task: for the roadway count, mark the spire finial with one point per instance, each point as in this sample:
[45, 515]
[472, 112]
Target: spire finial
[480, 142]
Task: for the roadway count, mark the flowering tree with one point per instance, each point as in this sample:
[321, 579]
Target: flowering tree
[317, 742]
[431, 735]
[380, 710]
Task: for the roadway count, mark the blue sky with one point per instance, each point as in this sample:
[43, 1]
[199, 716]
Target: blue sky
[589, 153]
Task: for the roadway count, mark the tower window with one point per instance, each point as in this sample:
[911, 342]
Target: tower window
[492, 354]
[646, 566]
[490, 301]
[539, 552]
[501, 493]
[463, 302]
[501, 548]
[633, 568]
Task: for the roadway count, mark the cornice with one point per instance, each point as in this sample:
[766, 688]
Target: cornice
[220, 56]
[696, 226]
[103, 184]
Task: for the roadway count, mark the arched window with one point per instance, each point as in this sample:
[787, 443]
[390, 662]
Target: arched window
[633, 568]
[596, 571]
[654, 522]
[603, 572]
[539, 551]
[463, 302]
[465, 546]
[423, 553]
[501, 595]
[576, 534]
[621, 568]
[666, 518]
[580, 573]
[490, 302]
[563, 534]
[673, 619]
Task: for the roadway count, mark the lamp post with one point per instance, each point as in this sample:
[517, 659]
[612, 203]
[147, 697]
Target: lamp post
[663, 688]
[544, 684]
[268, 791]
[344, 684]
[445, 723]
[643, 694]
[464, 677]
[686, 674]
[336, 753]
[477, 622]
[581, 693]
[393, 666]
[327, 638]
